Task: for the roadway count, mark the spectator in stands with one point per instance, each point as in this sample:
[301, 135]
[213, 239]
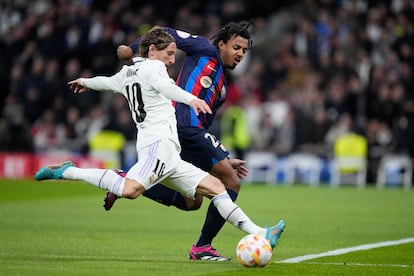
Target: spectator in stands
[42, 40]
[14, 128]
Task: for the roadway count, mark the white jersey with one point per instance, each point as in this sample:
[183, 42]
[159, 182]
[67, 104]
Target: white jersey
[149, 91]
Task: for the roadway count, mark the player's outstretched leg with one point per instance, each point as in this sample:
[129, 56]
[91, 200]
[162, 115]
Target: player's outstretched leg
[53, 171]
[273, 233]
[163, 195]
[235, 215]
[104, 179]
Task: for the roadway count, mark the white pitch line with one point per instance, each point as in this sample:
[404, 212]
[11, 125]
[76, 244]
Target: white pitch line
[347, 250]
[358, 264]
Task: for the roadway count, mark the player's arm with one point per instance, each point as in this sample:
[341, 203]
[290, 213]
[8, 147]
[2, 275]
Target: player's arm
[127, 52]
[124, 52]
[77, 87]
[190, 43]
[169, 89]
[99, 83]
[159, 79]
[185, 41]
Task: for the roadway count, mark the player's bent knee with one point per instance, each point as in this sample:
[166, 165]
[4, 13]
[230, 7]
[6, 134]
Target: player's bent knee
[132, 189]
[216, 186]
[193, 204]
[210, 186]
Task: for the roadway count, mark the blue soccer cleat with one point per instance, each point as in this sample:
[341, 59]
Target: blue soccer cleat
[273, 233]
[53, 171]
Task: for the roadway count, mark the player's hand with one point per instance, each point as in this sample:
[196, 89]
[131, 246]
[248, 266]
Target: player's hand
[240, 168]
[76, 86]
[124, 52]
[200, 105]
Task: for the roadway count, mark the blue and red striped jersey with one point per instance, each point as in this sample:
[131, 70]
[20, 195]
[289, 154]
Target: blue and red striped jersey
[201, 74]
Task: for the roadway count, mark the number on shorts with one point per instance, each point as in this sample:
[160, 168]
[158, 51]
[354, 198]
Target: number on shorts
[159, 168]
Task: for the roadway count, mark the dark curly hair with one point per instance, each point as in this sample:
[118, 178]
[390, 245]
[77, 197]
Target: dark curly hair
[231, 29]
[155, 36]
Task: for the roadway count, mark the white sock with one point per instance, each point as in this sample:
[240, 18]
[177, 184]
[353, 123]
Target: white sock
[101, 178]
[235, 215]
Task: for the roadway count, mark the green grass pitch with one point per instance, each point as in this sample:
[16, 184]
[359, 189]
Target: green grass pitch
[60, 228]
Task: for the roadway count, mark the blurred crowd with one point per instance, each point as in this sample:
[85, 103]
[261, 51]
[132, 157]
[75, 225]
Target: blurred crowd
[317, 69]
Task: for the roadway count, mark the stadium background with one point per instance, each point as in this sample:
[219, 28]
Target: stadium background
[317, 69]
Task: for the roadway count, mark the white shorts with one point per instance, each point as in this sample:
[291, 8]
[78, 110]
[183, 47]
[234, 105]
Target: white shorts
[162, 160]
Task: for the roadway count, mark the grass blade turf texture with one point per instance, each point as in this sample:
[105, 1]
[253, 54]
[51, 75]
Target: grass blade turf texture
[60, 227]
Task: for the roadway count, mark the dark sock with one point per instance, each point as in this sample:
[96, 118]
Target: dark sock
[213, 222]
[166, 196]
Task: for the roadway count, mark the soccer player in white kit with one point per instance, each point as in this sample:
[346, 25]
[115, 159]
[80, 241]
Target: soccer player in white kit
[149, 91]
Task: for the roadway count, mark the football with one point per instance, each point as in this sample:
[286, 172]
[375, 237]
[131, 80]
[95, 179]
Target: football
[253, 250]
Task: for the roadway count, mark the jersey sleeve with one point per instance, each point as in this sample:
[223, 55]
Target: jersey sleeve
[189, 43]
[101, 83]
[134, 45]
[160, 81]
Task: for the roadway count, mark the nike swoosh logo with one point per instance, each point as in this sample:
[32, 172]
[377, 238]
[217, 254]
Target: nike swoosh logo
[211, 68]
